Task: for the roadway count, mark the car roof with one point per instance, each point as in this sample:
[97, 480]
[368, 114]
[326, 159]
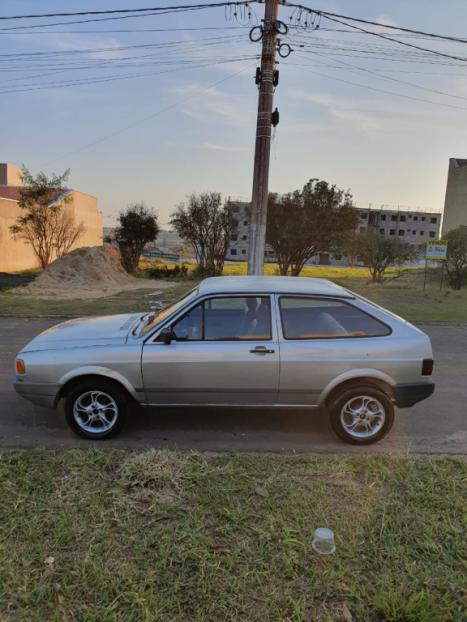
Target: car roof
[272, 284]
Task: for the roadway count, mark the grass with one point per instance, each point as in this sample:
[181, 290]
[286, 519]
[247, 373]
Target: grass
[403, 295]
[158, 535]
[123, 302]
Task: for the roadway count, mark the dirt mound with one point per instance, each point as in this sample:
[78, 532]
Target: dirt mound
[85, 272]
[83, 267]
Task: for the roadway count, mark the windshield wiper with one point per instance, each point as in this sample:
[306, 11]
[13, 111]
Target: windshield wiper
[146, 318]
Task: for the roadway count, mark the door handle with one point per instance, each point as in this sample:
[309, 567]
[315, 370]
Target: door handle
[262, 350]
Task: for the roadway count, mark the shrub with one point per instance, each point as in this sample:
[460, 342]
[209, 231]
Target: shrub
[167, 272]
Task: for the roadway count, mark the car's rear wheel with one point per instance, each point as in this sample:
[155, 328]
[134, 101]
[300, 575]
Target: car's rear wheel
[362, 415]
[96, 409]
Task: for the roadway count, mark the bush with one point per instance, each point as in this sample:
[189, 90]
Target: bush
[380, 253]
[167, 272]
[138, 226]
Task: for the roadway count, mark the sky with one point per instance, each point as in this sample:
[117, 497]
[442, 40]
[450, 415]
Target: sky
[177, 115]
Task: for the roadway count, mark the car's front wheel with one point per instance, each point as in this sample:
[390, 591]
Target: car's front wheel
[362, 415]
[96, 409]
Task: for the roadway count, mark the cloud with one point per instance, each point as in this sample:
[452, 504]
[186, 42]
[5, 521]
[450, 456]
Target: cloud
[359, 119]
[303, 128]
[212, 102]
[230, 148]
[344, 109]
[385, 19]
[68, 42]
[186, 90]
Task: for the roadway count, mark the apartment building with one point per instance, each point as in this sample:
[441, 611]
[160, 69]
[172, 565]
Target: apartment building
[415, 227]
[411, 226]
[239, 240]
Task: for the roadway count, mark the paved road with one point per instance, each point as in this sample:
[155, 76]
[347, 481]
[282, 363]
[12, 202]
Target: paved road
[438, 425]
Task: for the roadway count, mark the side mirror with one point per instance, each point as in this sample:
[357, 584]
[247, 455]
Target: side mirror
[166, 335]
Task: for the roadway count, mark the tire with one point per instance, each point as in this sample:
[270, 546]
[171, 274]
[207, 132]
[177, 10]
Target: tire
[111, 405]
[364, 401]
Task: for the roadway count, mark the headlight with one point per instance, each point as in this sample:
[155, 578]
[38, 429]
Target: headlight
[20, 367]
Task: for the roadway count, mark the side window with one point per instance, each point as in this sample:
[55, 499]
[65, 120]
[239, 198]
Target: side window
[312, 318]
[190, 326]
[237, 318]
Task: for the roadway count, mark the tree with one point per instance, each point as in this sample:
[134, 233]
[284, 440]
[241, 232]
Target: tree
[207, 226]
[66, 233]
[380, 253]
[303, 223]
[45, 223]
[456, 262]
[351, 248]
[138, 226]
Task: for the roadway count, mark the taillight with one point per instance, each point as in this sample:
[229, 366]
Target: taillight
[427, 367]
[20, 367]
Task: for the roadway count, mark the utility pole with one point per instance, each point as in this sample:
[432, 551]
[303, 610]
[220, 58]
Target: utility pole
[259, 201]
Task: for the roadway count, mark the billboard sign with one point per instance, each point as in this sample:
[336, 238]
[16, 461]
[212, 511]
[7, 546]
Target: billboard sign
[436, 249]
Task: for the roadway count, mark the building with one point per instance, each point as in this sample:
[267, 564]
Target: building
[240, 214]
[16, 254]
[455, 202]
[239, 240]
[408, 225]
[168, 243]
[415, 227]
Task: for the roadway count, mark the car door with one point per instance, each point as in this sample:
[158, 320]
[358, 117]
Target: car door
[224, 350]
[322, 338]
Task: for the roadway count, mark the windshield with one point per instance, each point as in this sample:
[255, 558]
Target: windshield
[169, 310]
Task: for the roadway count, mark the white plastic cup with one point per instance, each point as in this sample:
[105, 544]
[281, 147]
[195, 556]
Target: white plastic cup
[323, 541]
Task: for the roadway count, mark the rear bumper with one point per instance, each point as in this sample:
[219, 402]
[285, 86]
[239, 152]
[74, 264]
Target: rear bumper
[406, 395]
[38, 393]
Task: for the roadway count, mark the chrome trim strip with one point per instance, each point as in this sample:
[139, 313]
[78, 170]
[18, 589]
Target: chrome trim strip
[234, 406]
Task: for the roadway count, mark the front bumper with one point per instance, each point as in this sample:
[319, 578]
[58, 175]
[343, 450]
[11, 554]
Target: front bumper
[406, 395]
[40, 394]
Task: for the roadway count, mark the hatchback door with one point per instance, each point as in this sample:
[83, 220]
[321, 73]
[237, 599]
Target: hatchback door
[224, 350]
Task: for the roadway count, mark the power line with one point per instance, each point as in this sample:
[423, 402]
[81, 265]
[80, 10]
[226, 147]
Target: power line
[126, 11]
[74, 52]
[138, 30]
[186, 7]
[429, 35]
[378, 90]
[388, 58]
[377, 53]
[371, 52]
[404, 43]
[119, 17]
[378, 24]
[390, 78]
[162, 52]
[314, 36]
[126, 31]
[113, 78]
[162, 57]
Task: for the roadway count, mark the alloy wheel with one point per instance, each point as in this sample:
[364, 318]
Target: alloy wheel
[362, 416]
[95, 412]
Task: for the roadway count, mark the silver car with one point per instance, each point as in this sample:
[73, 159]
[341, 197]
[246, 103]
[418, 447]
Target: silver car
[270, 342]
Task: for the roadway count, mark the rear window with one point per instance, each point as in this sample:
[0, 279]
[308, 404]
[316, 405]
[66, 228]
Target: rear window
[312, 318]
